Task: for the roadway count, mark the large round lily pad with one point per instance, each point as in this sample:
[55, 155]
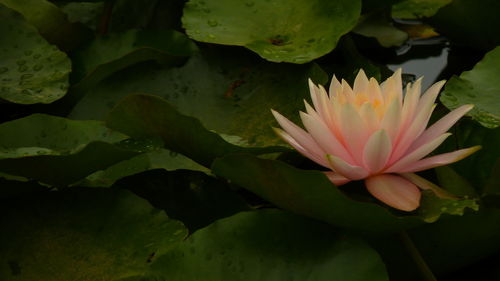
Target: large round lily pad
[269, 245]
[31, 70]
[82, 234]
[480, 87]
[295, 31]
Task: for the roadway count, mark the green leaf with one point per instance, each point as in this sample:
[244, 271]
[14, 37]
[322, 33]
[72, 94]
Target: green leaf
[51, 22]
[191, 197]
[414, 9]
[295, 31]
[308, 193]
[158, 159]
[56, 150]
[480, 87]
[108, 54]
[82, 234]
[149, 116]
[229, 92]
[31, 70]
[382, 29]
[432, 206]
[466, 23]
[269, 245]
[87, 13]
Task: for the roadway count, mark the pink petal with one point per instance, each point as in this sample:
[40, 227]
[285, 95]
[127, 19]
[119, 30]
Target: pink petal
[370, 117]
[347, 91]
[408, 136]
[319, 99]
[354, 131]
[417, 126]
[377, 150]
[392, 88]
[429, 97]
[410, 102]
[439, 160]
[360, 82]
[345, 169]
[324, 137]
[374, 90]
[335, 87]
[392, 119]
[300, 136]
[417, 154]
[318, 158]
[337, 178]
[442, 125]
[394, 191]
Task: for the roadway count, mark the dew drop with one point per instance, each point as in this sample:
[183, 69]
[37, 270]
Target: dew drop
[471, 95]
[3, 70]
[249, 4]
[212, 23]
[211, 36]
[28, 53]
[26, 92]
[36, 56]
[22, 68]
[21, 62]
[37, 67]
[206, 10]
[173, 154]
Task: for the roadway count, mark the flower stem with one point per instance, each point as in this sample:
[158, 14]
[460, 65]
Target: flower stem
[415, 254]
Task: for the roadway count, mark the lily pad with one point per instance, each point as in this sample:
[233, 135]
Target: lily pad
[414, 9]
[142, 116]
[259, 246]
[229, 92]
[51, 22]
[192, 197]
[82, 234]
[310, 193]
[466, 23]
[31, 70]
[295, 31]
[480, 87]
[158, 159]
[382, 29]
[108, 54]
[432, 207]
[56, 150]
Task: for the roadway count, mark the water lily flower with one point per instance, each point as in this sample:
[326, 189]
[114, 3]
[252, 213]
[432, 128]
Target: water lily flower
[374, 133]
